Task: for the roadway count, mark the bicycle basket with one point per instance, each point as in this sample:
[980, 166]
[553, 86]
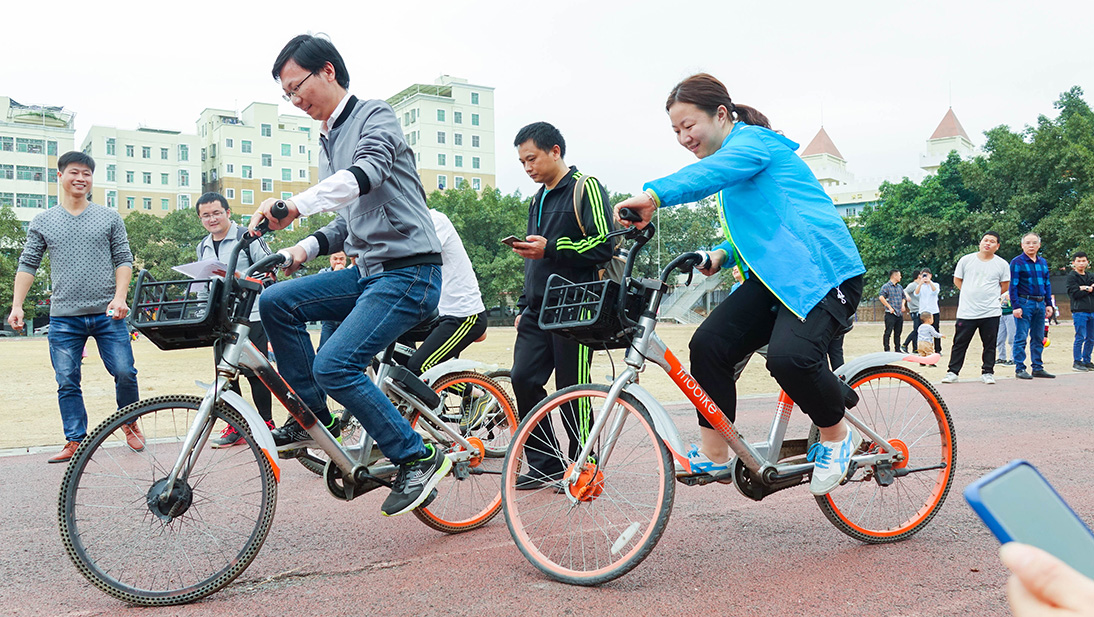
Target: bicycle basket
[587, 312]
[177, 314]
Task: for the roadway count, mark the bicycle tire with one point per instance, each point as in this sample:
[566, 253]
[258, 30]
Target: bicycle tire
[470, 499]
[133, 550]
[607, 532]
[901, 405]
[350, 434]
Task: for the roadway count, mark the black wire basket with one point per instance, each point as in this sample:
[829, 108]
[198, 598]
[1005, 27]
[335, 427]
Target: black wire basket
[589, 312]
[177, 314]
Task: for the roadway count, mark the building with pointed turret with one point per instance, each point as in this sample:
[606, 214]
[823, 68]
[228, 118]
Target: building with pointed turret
[948, 137]
[830, 168]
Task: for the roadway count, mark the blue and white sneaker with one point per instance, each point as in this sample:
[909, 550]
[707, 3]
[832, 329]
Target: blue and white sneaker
[701, 464]
[831, 461]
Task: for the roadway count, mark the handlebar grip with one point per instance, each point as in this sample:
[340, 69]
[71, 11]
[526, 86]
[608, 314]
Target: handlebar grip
[627, 214]
[279, 210]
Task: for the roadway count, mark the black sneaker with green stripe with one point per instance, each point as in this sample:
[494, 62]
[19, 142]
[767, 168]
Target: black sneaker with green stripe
[415, 481]
[291, 434]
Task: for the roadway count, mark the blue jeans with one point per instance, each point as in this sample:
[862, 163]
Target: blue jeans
[67, 337]
[1030, 325]
[1084, 336]
[374, 311]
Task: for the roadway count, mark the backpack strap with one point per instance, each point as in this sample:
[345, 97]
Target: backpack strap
[579, 194]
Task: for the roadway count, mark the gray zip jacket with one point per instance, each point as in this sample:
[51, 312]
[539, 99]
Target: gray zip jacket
[256, 252]
[388, 226]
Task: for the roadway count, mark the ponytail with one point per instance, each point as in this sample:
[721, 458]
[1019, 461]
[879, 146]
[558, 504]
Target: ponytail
[707, 93]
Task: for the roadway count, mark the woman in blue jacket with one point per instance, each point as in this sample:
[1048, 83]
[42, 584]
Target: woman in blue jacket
[804, 274]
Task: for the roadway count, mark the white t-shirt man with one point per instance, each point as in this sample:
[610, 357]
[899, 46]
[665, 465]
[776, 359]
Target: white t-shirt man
[981, 284]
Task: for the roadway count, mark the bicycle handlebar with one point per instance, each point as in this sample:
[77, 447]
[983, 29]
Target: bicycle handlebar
[278, 211]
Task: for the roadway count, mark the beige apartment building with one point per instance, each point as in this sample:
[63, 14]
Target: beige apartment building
[257, 154]
[31, 139]
[450, 126]
[153, 171]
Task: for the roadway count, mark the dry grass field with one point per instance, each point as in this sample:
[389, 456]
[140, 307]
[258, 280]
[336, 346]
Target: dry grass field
[28, 400]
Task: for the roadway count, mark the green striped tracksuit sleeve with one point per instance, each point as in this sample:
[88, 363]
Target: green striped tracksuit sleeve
[594, 248]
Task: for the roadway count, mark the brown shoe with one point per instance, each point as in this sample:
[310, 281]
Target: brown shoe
[133, 437]
[66, 453]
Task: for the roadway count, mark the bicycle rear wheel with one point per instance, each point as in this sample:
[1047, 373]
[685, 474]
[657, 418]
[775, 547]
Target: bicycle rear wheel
[143, 551]
[607, 522]
[906, 410]
[478, 408]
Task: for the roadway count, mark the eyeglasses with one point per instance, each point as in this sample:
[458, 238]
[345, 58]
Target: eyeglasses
[212, 215]
[289, 96]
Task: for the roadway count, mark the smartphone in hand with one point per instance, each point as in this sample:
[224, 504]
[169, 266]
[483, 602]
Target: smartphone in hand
[1019, 505]
[510, 240]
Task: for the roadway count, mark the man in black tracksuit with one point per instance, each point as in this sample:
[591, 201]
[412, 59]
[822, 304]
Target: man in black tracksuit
[555, 244]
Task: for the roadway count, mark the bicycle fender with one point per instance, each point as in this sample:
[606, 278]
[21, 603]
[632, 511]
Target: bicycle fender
[456, 365]
[664, 425]
[255, 422]
[880, 358]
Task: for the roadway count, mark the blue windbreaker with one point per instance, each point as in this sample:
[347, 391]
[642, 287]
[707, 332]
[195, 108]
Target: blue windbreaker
[773, 210]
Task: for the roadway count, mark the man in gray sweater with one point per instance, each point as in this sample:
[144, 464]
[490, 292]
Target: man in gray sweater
[91, 267]
[367, 176]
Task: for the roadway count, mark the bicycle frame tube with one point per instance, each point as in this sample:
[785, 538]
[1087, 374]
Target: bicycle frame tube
[598, 425]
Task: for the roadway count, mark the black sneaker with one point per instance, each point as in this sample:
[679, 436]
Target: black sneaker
[1023, 375]
[537, 479]
[292, 434]
[1079, 366]
[415, 482]
[1044, 374]
[1089, 365]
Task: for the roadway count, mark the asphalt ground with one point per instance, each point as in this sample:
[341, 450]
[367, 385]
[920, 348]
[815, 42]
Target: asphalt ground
[721, 554]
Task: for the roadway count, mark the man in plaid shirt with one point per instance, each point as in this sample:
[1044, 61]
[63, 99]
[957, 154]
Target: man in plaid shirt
[892, 296]
[1029, 292]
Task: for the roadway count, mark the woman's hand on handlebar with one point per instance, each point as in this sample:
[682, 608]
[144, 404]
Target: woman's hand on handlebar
[642, 204]
[263, 214]
[712, 264]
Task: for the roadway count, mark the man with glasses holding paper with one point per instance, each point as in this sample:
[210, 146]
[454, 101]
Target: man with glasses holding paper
[368, 177]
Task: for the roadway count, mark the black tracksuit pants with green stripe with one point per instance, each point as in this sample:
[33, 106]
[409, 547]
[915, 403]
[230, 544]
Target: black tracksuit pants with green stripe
[448, 337]
[536, 354]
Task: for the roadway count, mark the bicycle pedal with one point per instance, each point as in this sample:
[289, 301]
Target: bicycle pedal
[292, 453]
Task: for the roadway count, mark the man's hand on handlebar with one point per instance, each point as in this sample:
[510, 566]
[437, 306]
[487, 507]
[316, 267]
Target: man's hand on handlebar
[713, 262]
[642, 204]
[298, 256]
[263, 214]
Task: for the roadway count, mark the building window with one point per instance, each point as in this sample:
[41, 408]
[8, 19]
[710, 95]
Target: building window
[457, 139]
[163, 153]
[474, 98]
[286, 195]
[440, 115]
[37, 174]
[184, 178]
[459, 163]
[184, 202]
[474, 119]
[440, 159]
[110, 147]
[51, 148]
[457, 117]
[212, 175]
[246, 146]
[184, 152]
[147, 175]
[267, 185]
[303, 150]
[229, 168]
[442, 182]
[29, 200]
[7, 172]
[129, 177]
[228, 143]
[286, 174]
[247, 172]
[51, 173]
[111, 173]
[406, 118]
[230, 193]
[474, 162]
[112, 199]
[474, 141]
[147, 203]
[129, 203]
[440, 137]
[165, 178]
[286, 150]
[146, 152]
[247, 197]
[267, 160]
[266, 130]
[129, 151]
[476, 183]
[304, 174]
[410, 139]
[413, 115]
[29, 146]
[165, 204]
[457, 182]
[8, 199]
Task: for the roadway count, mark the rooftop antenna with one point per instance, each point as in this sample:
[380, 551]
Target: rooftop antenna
[951, 94]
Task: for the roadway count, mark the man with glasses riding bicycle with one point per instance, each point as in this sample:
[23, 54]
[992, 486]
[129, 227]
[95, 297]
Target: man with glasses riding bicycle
[368, 177]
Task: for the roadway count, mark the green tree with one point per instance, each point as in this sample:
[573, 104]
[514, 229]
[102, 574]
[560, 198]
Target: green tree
[12, 239]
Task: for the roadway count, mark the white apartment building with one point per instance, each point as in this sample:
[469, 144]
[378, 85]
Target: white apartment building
[145, 170]
[450, 126]
[31, 139]
[258, 154]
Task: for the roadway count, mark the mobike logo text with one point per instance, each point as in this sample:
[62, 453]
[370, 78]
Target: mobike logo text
[695, 392]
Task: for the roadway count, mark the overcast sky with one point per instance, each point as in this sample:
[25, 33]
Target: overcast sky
[882, 74]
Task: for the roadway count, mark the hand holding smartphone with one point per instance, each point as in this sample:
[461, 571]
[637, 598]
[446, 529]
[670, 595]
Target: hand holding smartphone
[510, 240]
[1018, 505]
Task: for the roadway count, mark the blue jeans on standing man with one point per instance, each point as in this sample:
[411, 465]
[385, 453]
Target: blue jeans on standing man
[67, 338]
[374, 311]
[1030, 325]
[1084, 336]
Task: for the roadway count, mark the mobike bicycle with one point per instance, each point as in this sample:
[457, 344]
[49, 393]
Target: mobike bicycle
[622, 453]
[179, 520]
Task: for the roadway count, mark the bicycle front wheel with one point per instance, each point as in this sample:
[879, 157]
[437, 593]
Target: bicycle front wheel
[144, 550]
[606, 523]
[905, 410]
[478, 408]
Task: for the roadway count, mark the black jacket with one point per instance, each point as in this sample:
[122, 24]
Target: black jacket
[1081, 301]
[569, 253]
